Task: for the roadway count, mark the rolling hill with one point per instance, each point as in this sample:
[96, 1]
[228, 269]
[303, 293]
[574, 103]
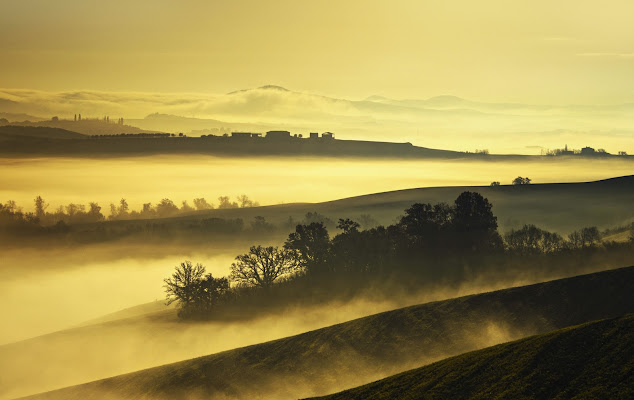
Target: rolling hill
[362, 350]
[560, 207]
[39, 132]
[590, 361]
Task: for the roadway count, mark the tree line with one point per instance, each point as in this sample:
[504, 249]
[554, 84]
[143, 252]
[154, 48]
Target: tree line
[428, 239]
[74, 213]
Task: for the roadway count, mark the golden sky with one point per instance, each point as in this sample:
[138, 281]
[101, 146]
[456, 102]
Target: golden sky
[555, 52]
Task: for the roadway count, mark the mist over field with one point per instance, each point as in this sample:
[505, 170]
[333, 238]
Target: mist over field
[267, 180]
[108, 347]
[274, 200]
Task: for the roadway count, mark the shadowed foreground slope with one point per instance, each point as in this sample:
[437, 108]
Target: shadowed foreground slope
[366, 349]
[590, 361]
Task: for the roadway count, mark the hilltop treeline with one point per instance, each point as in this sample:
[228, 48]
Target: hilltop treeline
[430, 243]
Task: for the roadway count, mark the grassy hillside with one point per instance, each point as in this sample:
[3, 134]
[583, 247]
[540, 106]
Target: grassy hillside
[366, 349]
[590, 361]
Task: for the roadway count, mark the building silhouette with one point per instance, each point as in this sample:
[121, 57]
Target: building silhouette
[278, 135]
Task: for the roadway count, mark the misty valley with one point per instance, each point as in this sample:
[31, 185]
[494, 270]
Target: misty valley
[120, 286]
[281, 200]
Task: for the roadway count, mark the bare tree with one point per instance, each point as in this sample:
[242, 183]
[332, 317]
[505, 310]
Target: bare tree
[244, 201]
[225, 202]
[183, 285]
[261, 266]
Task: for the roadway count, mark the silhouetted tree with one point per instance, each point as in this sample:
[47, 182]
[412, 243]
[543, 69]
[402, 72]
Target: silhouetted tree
[259, 224]
[311, 217]
[182, 286]
[262, 266]
[495, 183]
[552, 242]
[349, 248]
[590, 236]
[312, 243]
[186, 207]
[147, 211]
[166, 208]
[224, 202]
[244, 201]
[201, 204]
[95, 212]
[347, 225]
[40, 207]
[209, 291]
[586, 237]
[533, 240]
[424, 222]
[123, 209]
[473, 223]
[521, 181]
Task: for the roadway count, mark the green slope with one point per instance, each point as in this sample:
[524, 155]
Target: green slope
[590, 361]
[366, 349]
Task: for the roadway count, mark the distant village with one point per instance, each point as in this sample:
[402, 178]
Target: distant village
[277, 135]
[586, 151]
[270, 135]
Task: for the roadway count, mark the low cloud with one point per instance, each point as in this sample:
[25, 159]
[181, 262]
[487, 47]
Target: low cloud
[430, 122]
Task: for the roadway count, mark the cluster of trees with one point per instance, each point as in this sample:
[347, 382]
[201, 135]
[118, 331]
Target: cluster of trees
[517, 181]
[74, 213]
[428, 237]
[587, 151]
[533, 240]
[521, 181]
[167, 208]
[196, 292]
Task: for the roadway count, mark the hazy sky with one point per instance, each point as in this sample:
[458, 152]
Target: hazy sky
[569, 51]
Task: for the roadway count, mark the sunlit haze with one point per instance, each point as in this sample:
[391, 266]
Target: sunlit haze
[524, 51]
[281, 199]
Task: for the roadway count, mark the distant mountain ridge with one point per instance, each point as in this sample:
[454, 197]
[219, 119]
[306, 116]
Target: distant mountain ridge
[43, 132]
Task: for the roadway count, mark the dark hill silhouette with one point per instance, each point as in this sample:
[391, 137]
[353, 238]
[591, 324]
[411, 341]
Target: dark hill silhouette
[219, 145]
[366, 349]
[85, 126]
[590, 361]
[42, 132]
[19, 116]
